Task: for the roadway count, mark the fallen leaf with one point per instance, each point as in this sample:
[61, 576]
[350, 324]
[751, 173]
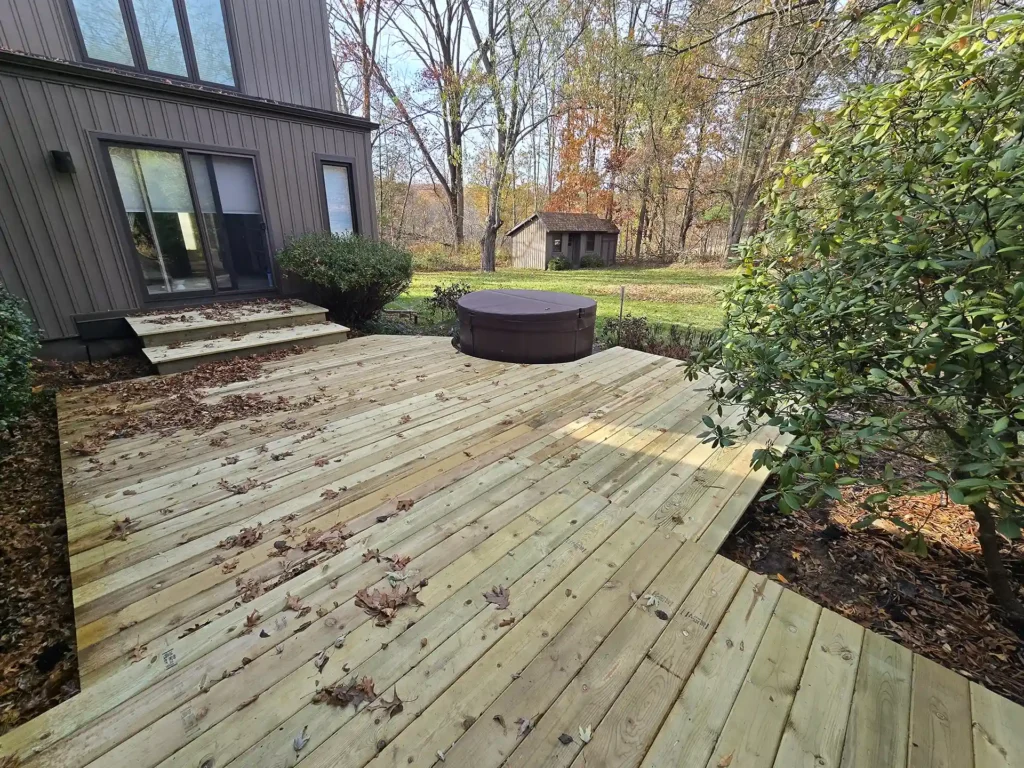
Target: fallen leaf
[525, 724]
[299, 742]
[122, 528]
[566, 739]
[585, 734]
[293, 603]
[393, 707]
[138, 653]
[246, 703]
[404, 504]
[341, 695]
[498, 596]
[726, 761]
[384, 605]
[245, 538]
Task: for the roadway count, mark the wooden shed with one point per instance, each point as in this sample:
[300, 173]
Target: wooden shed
[571, 236]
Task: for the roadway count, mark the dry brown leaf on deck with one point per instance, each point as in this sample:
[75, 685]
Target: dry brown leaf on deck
[240, 488]
[393, 707]
[293, 603]
[229, 460]
[371, 554]
[321, 461]
[726, 761]
[280, 456]
[403, 505]
[249, 589]
[246, 703]
[498, 596]
[245, 538]
[399, 561]
[384, 605]
[329, 494]
[122, 528]
[525, 724]
[252, 619]
[138, 653]
[342, 694]
[229, 566]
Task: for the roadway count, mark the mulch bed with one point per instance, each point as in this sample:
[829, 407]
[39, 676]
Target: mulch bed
[939, 606]
[38, 662]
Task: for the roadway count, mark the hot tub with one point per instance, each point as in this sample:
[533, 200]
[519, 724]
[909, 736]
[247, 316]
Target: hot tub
[515, 326]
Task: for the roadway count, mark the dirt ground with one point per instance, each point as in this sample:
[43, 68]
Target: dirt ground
[38, 662]
[938, 605]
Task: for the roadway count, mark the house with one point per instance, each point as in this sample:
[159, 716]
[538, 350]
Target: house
[156, 153]
[547, 235]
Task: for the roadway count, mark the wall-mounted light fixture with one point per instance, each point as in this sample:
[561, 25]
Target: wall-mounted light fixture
[62, 161]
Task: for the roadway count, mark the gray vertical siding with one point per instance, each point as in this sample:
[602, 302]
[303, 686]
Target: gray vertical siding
[60, 236]
[528, 247]
[282, 47]
[284, 50]
[41, 27]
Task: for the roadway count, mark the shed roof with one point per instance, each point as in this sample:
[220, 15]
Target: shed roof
[555, 221]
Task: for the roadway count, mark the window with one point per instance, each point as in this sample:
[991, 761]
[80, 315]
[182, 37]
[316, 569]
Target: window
[187, 39]
[194, 218]
[557, 247]
[339, 198]
[591, 242]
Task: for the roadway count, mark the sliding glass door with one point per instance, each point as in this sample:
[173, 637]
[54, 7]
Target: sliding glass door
[195, 220]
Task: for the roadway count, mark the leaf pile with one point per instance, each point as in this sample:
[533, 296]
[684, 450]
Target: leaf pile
[38, 664]
[383, 606]
[342, 694]
[331, 540]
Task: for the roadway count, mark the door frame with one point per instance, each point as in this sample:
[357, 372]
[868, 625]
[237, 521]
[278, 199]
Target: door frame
[115, 205]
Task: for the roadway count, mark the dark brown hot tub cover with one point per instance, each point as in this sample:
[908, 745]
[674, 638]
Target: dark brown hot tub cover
[517, 326]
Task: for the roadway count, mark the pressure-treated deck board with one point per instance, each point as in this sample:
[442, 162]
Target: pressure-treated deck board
[583, 488]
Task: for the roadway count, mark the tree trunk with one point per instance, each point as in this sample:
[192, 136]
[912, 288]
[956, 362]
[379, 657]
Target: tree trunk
[641, 223]
[999, 578]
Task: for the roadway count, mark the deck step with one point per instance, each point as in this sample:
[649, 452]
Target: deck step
[215, 321]
[181, 356]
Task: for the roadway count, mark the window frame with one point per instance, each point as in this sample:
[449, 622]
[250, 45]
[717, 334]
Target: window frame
[138, 52]
[558, 242]
[349, 163]
[101, 140]
[590, 244]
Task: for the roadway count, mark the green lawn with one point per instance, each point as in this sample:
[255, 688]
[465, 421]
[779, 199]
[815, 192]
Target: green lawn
[683, 295]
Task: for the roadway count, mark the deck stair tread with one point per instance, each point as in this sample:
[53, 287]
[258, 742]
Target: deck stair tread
[254, 340]
[160, 329]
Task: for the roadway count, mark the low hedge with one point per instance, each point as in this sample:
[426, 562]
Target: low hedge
[352, 277]
[18, 345]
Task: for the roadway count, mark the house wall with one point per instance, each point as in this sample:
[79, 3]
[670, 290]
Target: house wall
[282, 47]
[61, 245]
[528, 249]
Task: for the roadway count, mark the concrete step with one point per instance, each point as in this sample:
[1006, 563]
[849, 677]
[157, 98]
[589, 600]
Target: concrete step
[220, 320]
[181, 356]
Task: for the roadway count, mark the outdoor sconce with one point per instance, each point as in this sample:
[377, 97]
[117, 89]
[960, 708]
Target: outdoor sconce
[62, 161]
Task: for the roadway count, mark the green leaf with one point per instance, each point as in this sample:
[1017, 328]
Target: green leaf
[1009, 528]
[984, 347]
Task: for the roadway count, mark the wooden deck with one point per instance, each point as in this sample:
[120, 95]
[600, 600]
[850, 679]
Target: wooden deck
[582, 491]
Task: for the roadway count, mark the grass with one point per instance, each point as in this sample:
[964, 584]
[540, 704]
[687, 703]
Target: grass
[669, 295]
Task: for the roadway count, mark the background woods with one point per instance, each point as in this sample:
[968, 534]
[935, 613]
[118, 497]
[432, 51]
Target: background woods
[667, 116]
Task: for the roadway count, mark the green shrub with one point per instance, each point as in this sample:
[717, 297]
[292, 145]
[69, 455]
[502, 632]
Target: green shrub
[446, 297]
[882, 307]
[682, 342]
[18, 345]
[592, 261]
[352, 277]
[558, 264]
